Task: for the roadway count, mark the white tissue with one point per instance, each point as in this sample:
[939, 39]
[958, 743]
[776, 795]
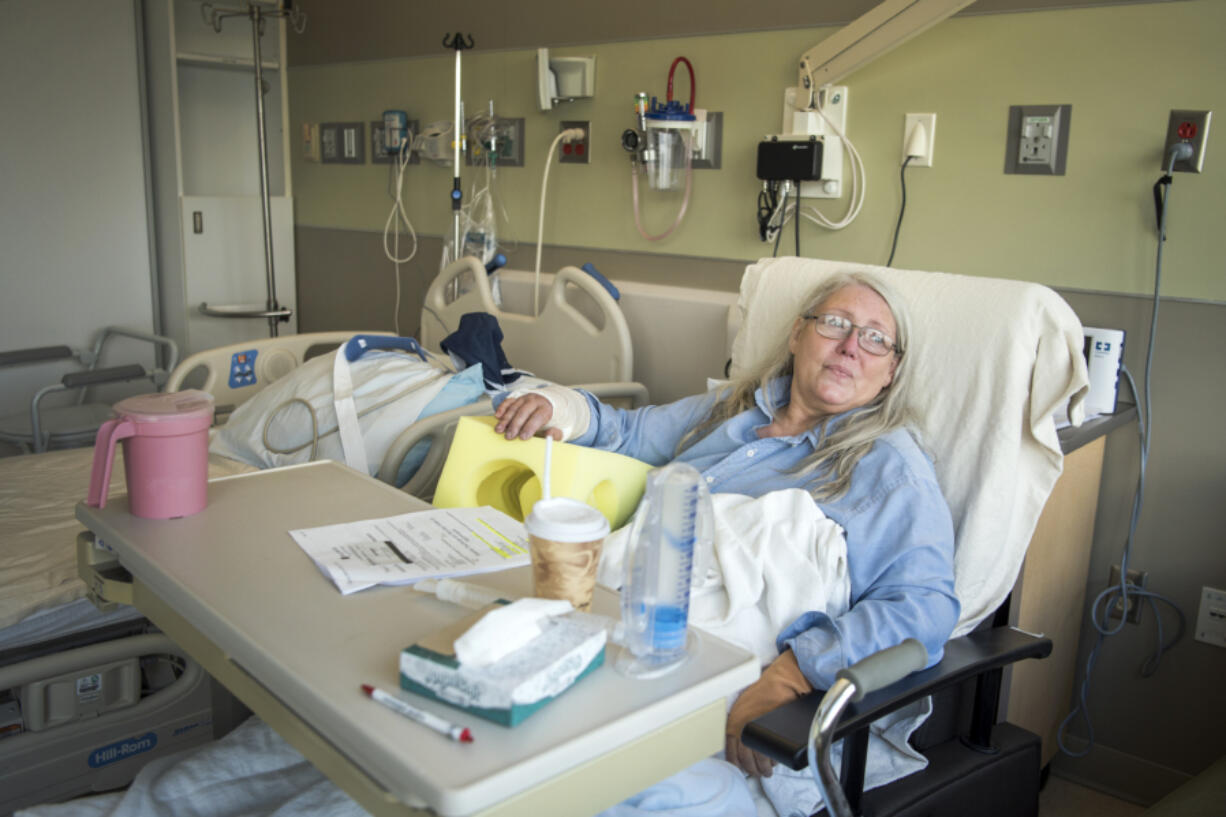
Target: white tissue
[502, 631]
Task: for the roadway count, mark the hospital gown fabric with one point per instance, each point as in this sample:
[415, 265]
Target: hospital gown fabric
[708, 788]
[251, 772]
[899, 532]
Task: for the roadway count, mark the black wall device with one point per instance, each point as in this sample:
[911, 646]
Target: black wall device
[783, 160]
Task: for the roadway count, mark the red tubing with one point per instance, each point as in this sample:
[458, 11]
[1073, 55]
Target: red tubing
[673, 68]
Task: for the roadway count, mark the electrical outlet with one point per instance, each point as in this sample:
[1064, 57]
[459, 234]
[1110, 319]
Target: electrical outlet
[578, 151]
[1137, 578]
[1036, 142]
[1191, 127]
[1211, 621]
[923, 143]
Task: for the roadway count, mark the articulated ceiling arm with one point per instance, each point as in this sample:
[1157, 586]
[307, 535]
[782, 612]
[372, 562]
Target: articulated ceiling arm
[881, 29]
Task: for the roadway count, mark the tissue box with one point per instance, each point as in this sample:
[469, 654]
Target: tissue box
[514, 687]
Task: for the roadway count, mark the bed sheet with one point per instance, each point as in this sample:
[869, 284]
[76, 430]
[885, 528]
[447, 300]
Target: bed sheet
[38, 528]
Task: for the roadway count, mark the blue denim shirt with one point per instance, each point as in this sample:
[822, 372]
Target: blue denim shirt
[900, 536]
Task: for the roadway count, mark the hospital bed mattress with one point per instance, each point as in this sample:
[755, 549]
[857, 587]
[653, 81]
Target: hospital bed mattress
[38, 528]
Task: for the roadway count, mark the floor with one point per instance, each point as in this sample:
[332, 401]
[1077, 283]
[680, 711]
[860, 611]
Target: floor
[1063, 798]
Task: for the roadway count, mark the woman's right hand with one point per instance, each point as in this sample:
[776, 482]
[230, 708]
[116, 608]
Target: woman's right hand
[523, 416]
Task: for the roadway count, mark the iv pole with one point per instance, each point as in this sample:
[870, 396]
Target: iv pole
[459, 42]
[273, 311]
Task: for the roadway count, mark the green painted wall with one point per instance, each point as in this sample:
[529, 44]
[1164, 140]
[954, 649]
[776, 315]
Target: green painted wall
[1122, 68]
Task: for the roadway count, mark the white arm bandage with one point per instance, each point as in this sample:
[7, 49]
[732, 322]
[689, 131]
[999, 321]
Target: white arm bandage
[571, 414]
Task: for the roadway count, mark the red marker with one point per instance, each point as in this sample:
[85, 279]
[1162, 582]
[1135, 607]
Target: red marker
[411, 712]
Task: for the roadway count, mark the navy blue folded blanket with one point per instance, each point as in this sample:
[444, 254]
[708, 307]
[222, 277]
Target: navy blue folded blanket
[479, 340]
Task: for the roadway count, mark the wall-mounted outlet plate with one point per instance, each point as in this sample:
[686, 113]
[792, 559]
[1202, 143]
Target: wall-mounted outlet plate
[1036, 142]
[1137, 578]
[310, 142]
[342, 143]
[924, 141]
[579, 151]
[1191, 127]
[1211, 621]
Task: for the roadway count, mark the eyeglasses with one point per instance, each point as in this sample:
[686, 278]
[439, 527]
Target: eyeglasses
[871, 340]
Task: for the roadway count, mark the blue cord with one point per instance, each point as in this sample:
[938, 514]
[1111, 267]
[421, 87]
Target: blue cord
[1107, 599]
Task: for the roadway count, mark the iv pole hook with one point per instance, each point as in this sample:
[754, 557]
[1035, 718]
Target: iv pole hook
[457, 41]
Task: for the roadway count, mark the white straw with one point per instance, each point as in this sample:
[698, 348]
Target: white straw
[548, 464]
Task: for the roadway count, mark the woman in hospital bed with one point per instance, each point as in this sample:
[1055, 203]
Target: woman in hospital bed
[826, 414]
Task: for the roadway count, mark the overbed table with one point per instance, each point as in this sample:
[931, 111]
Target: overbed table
[231, 587]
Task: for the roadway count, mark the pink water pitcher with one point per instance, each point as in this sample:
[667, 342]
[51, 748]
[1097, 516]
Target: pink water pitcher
[165, 453]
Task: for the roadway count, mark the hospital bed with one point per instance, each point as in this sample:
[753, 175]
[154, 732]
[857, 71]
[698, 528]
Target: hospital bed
[50, 631]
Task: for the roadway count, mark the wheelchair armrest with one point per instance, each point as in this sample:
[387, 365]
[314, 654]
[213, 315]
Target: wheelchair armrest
[172, 348]
[783, 733]
[35, 355]
[111, 374]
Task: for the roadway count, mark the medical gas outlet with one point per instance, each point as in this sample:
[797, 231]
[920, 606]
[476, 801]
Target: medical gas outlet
[1037, 139]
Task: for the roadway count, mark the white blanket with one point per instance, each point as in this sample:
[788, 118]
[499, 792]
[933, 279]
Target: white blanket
[777, 557]
[251, 772]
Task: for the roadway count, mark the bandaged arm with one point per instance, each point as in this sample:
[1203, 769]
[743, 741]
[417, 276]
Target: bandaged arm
[571, 415]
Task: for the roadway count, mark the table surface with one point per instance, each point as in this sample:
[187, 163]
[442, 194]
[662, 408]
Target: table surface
[234, 572]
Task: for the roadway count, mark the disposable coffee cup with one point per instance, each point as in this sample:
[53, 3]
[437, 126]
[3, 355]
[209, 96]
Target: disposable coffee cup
[565, 536]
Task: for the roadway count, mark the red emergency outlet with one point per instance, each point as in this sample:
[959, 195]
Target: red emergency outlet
[1186, 130]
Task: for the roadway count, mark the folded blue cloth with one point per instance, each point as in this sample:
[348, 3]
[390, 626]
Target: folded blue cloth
[479, 340]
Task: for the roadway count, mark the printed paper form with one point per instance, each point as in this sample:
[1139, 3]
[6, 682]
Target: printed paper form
[413, 546]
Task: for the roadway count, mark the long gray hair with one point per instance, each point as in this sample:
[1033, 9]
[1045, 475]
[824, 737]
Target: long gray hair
[839, 451]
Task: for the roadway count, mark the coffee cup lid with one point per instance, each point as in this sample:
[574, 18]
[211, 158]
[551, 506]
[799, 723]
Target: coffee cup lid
[566, 520]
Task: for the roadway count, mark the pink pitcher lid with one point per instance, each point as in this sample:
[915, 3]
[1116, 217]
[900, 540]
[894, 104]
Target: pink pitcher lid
[179, 406]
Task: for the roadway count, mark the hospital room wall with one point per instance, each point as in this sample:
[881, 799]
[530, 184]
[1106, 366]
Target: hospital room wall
[74, 235]
[1089, 234]
[1089, 229]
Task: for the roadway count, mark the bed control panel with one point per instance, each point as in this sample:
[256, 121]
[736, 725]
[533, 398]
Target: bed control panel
[242, 368]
